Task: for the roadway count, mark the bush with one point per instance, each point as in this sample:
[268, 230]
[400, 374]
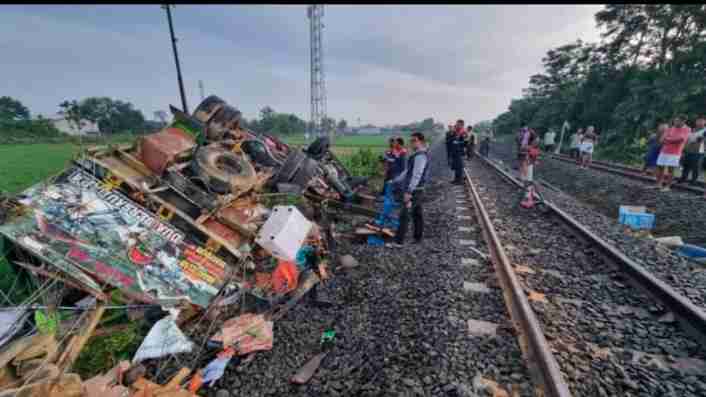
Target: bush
[364, 162]
[22, 131]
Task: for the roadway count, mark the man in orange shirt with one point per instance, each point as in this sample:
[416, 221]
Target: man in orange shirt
[673, 142]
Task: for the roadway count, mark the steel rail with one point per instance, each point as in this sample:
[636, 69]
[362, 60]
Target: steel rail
[692, 317]
[623, 171]
[532, 340]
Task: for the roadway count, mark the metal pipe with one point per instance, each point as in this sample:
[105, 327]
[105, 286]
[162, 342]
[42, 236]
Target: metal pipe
[176, 59]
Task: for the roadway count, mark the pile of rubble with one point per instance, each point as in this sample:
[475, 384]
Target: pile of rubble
[185, 223]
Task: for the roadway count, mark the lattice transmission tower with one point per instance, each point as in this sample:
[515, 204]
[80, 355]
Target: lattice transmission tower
[315, 13]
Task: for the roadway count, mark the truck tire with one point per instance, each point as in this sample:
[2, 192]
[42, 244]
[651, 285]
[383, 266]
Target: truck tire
[224, 171]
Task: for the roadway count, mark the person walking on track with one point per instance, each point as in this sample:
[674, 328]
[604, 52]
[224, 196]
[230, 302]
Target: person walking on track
[673, 143]
[449, 137]
[693, 153]
[413, 181]
[550, 141]
[590, 139]
[471, 142]
[458, 147]
[654, 146]
[575, 143]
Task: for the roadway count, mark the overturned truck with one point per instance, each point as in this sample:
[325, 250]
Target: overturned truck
[186, 218]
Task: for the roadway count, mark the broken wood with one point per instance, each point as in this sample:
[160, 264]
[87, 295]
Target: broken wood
[307, 370]
[68, 385]
[175, 382]
[20, 345]
[73, 348]
[56, 276]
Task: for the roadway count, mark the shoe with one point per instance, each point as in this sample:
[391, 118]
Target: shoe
[665, 189]
[394, 245]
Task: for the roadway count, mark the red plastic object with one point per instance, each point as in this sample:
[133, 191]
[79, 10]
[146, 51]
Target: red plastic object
[158, 150]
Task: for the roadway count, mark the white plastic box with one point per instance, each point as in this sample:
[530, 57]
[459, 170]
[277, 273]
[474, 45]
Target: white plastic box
[284, 232]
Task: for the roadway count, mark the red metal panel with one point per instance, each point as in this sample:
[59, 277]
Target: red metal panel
[158, 150]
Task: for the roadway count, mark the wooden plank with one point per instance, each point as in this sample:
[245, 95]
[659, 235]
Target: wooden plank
[233, 250]
[15, 348]
[73, 348]
[56, 276]
[175, 382]
[66, 386]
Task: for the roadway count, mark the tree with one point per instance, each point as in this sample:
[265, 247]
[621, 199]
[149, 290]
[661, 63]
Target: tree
[12, 109]
[112, 116]
[427, 124]
[161, 115]
[342, 125]
[650, 65]
[328, 124]
[74, 114]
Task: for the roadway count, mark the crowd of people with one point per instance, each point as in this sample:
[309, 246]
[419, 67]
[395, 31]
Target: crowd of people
[672, 146]
[406, 173]
[676, 146]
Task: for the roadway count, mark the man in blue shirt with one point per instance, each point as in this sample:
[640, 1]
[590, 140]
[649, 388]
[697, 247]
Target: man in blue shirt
[413, 181]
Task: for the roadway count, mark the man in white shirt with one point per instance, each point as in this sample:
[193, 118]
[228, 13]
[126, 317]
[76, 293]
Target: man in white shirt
[694, 152]
[549, 141]
[576, 142]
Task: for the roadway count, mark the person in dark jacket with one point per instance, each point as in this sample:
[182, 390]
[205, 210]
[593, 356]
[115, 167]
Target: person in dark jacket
[485, 147]
[387, 159]
[413, 181]
[449, 138]
[458, 148]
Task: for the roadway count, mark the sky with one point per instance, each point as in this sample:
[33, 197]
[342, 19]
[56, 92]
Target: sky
[384, 64]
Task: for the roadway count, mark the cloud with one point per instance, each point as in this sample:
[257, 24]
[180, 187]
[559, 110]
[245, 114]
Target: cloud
[385, 64]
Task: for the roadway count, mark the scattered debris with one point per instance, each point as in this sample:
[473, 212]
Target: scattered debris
[670, 241]
[215, 369]
[693, 253]
[186, 218]
[164, 338]
[636, 217]
[247, 333]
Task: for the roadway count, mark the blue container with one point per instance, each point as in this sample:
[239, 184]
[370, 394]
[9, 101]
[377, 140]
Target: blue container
[636, 220]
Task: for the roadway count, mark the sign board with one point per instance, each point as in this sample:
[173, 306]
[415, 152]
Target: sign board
[97, 236]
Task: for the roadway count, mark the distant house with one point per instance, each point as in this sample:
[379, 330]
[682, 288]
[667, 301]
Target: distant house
[369, 131]
[67, 127]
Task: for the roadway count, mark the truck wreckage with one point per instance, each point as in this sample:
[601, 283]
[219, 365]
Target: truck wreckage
[185, 219]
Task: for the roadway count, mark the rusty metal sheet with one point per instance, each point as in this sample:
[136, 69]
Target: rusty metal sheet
[158, 150]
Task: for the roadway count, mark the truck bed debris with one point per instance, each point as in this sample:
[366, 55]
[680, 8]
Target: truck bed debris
[188, 219]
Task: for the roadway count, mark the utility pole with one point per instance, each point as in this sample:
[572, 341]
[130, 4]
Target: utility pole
[315, 14]
[201, 90]
[176, 58]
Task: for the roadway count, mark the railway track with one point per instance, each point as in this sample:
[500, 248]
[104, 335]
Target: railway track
[591, 321]
[630, 172]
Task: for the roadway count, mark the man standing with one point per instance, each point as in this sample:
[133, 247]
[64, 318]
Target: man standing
[458, 146]
[413, 180]
[694, 152]
[549, 141]
[449, 137]
[485, 147]
[589, 140]
[576, 142]
[471, 142]
[673, 142]
[388, 159]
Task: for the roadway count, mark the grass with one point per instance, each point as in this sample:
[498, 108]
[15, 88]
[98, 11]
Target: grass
[355, 141]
